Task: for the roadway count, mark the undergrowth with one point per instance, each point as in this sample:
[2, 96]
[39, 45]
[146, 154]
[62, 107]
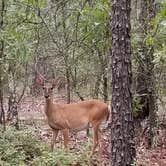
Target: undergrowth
[22, 148]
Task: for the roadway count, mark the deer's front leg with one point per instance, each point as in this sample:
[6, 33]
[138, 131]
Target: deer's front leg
[55, 134]
[87, 130]
[66, 137]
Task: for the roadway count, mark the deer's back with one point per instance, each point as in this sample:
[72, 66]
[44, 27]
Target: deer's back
[91, 108]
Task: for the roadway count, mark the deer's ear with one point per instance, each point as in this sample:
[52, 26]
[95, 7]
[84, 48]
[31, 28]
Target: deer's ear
[40, 81]
[55, 82]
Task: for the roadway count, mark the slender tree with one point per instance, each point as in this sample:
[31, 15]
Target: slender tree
[152, 89]
[145, 72]
[2, 112]
[122, 129]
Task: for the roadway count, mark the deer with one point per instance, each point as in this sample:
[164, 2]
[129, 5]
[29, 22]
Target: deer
[73, 116]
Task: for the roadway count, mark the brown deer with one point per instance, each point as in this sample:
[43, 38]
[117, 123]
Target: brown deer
[74, 116]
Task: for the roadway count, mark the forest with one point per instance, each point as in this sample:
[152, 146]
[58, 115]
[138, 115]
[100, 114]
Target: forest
[82, 83]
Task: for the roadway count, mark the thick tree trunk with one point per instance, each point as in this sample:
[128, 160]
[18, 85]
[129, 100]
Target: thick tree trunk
[122, 130]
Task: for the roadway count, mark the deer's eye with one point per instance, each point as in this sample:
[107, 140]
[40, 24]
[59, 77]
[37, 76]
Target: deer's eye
[43, 88]
[51, 88]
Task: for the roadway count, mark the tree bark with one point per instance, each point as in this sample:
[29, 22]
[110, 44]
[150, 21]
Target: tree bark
[2, 113]
[68, 85]
[105, 87]
[122, 129]
[151, 83]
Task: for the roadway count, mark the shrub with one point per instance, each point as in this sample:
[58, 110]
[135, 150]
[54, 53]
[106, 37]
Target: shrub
[61, 158]
[22, 148]
[18, 147]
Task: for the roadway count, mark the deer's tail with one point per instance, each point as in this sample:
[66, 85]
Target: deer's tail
[109, 112]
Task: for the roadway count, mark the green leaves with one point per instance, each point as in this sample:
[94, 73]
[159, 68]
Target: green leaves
[149, 41]
[41, 3]
[94, 21]
[18, 33]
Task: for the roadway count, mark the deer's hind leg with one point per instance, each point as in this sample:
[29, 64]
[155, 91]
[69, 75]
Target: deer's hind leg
[95, 126]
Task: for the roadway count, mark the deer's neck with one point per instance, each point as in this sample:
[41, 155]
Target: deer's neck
[49, 106]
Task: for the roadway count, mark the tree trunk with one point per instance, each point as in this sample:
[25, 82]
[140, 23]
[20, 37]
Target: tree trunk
[102, 75]
[68, 85]
[2, 113]
[97, 86]
[142, 84]
[122, 129]
[74, 83]
[145, 77]
[141, 80]
[105, 87]
[151, 90]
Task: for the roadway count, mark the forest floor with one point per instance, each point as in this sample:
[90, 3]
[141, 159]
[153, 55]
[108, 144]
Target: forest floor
[31, 113]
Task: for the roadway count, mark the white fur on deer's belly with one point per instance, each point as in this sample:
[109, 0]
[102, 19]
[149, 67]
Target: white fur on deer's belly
[76, 124]
[67, 125]
[73, 124]
[85, 126]
[56, 126]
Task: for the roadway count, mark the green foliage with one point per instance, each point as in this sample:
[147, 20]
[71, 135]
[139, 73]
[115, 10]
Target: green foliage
[21, 147]
[137, 107]
[62, 158]
[154, 39]
[20, 21]
[157, 34]
[18, 147]
[94, 22]
[160, 57]
[159, 38]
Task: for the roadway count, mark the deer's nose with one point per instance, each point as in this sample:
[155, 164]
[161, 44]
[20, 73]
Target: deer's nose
[46, 96]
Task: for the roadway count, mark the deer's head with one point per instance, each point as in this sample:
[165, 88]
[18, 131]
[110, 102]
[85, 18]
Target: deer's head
[47, 86]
